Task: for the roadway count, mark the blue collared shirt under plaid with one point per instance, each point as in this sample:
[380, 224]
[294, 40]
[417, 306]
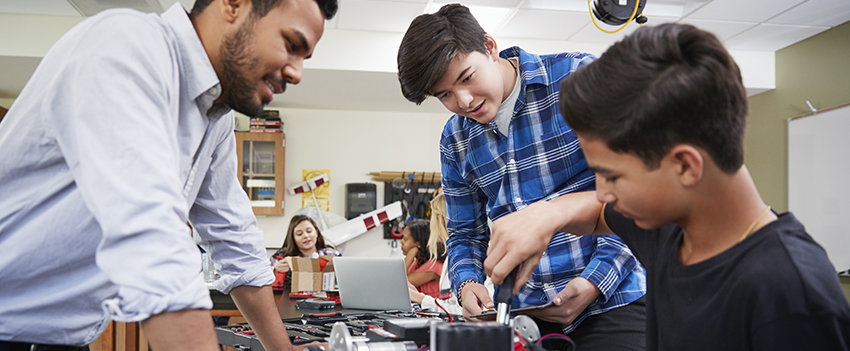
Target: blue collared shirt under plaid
[486, 173]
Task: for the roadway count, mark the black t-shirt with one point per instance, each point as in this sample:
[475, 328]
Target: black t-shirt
[776, 290]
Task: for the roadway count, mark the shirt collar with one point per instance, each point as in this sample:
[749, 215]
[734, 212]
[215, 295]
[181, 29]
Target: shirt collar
[197, 74]
[528, 63]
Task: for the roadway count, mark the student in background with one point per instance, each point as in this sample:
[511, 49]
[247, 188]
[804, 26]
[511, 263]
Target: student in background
[423, 266]
[505, 149]
[303, 239]
[661, 118]
[447, 300]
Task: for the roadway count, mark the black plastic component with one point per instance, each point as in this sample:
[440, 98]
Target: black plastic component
[485, 336]
[611, 12]
[417, 330]
[360, 198]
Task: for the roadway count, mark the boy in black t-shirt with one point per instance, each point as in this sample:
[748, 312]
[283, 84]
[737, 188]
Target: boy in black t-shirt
[661, 118]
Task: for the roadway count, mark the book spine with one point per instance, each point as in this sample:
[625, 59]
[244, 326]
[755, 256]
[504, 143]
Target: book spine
[264, 123]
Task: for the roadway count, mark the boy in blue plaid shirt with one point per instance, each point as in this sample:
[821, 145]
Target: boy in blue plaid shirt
[506, 148]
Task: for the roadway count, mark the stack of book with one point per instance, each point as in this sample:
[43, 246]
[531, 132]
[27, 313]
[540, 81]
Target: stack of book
[266, 122]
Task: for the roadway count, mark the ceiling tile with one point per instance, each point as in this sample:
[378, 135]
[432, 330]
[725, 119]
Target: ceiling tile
[561, 5]
[771, 37]
[743, 11]
[591, 34]
[540, 24]
[722, 29]
[489, 3]
[816, 13]
[385, 16]
[41, 7]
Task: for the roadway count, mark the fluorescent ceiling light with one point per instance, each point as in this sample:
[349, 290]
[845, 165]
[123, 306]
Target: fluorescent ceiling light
[488, 17]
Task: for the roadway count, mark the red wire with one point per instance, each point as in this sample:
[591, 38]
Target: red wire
[444, 310]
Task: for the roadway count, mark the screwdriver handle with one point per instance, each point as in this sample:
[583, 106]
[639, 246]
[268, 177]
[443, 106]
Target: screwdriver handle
[506, 294]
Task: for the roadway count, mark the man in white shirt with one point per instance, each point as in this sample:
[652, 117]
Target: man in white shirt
[121, 136]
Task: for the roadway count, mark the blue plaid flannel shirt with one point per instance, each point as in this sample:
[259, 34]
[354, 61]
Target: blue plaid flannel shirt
[485, 173]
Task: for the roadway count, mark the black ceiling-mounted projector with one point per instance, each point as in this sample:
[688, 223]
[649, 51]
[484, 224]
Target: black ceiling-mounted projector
[618, 12]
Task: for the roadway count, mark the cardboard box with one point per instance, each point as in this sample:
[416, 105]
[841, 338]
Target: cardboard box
[309, 275]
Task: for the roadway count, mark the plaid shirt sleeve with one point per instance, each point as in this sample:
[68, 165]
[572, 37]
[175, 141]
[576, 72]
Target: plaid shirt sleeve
[466, 220]
[609, 265]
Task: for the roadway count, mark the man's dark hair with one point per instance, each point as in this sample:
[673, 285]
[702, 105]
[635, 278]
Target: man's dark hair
[260, 8]
[430, 44]
[659, 87]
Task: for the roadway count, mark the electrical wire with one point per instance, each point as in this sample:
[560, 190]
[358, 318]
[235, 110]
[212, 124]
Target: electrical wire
[444, 310]
[593, 18]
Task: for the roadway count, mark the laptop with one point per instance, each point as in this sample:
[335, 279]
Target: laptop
[372, 283]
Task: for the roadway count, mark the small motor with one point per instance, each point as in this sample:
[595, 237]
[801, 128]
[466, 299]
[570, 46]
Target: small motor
[341, 340]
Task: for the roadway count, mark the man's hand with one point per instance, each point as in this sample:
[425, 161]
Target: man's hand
[573, 299]
[520, 237]
[475, 299]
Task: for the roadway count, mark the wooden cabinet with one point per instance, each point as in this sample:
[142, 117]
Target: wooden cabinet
[261, 167]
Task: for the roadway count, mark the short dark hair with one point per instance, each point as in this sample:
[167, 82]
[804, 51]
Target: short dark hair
[430, 44]
[260, 8]
[420, 231]
[659, 87]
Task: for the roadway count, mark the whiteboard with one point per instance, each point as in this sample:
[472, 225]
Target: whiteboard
[819, 180]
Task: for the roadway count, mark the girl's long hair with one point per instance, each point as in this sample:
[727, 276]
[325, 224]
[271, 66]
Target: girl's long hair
[289, 247]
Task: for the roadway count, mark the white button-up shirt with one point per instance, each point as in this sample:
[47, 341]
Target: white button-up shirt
[110, 148]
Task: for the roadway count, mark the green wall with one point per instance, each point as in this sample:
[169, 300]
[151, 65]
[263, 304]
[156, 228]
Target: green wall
[816, 69]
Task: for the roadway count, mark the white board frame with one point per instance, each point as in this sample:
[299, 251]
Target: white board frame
[819, 179]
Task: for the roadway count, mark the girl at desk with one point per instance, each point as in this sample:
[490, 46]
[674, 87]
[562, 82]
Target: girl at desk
[303, 239]
[423, 266]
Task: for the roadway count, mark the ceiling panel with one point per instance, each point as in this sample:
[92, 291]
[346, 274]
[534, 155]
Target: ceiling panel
[722, 29]
[41, 7]
[743, 11]
[591, 34]
[771, 37]
[816, 13]
[385, 16]
[540, 24]
[560, 5]
[490, 3]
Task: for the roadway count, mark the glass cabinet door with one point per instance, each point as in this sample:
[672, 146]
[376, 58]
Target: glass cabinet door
[261, 170]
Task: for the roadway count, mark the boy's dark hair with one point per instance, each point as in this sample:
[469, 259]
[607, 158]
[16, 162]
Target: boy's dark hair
[659, 87]
[260, 8]
[420, 231]
[430, 44]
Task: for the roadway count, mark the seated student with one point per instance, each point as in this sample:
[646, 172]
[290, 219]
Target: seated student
[423, 266]
[303, 239]
[439, 234]
[661, 118]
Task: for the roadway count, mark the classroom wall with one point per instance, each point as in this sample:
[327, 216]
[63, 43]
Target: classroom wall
[351, 144]
[816, 69]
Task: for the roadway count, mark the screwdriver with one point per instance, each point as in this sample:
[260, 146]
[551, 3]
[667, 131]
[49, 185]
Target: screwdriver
[506, 297]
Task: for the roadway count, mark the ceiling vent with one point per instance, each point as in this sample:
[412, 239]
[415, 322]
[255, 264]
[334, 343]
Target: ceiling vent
[92, 7]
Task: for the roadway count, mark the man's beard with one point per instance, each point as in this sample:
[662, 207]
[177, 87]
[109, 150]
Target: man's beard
[238, 91]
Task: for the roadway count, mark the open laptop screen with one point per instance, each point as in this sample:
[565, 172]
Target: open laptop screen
[372, 283]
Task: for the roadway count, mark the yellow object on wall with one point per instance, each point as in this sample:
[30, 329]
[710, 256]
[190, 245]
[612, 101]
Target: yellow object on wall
[323, 192]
